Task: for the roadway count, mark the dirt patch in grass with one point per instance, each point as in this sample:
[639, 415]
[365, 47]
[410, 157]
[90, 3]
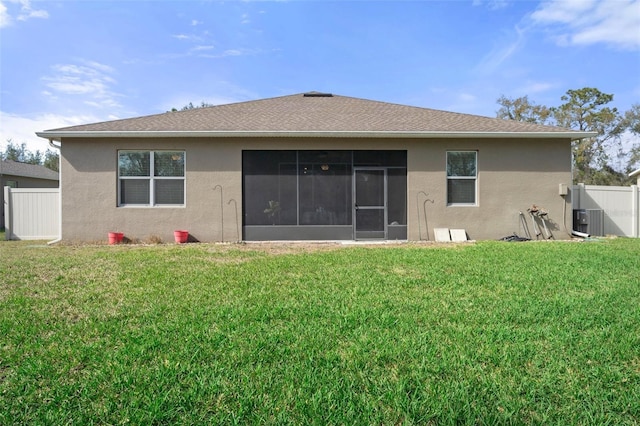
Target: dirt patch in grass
[319, 246]
[281, 247]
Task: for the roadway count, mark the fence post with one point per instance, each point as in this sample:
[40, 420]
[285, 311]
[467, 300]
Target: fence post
[577, 196]
[8, 220]
[635, 211]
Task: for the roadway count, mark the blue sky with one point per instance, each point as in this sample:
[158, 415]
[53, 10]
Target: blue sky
[67, 62]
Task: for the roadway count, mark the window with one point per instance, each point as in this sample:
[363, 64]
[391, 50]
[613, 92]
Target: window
[462, 172]
[151, 178]
[12, 183]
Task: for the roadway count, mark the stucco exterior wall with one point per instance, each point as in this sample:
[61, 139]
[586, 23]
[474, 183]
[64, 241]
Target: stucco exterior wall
[512, 175]
[89, 192]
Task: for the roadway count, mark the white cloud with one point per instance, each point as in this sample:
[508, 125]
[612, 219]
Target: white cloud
[182, 37]
[90, 81]
[24, 13]
[231, 52]
[492, 4]
[22, 128]
[202, 48]
[536, 87]
[467, 97]
[494, 59]
[5, 19]
[586, 22]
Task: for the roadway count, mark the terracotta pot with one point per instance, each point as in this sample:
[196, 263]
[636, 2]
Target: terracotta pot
[181, 236]
[115, 237]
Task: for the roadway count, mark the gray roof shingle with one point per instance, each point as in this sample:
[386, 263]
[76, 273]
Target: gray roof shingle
[311, 112]
[14, 168]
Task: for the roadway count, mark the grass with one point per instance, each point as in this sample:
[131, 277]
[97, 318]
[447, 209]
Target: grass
[490, 333]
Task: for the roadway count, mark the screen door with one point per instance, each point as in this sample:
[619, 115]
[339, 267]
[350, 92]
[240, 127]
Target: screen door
[370, 203]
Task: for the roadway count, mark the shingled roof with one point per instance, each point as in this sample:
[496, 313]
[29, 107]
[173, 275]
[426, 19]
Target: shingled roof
[312, 114]
[14, 168]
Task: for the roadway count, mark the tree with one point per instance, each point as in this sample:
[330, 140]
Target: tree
[584, 109]
[15, 152]
[521, 109]
[203, 104]
[632, 123]
[21, 154]
[632, 119]
[52, 160]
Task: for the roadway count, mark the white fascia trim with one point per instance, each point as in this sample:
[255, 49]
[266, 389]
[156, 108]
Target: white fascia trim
[58, 136]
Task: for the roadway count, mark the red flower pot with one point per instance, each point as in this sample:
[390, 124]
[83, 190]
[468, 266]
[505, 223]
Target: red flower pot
[181, 236]
[115, 237]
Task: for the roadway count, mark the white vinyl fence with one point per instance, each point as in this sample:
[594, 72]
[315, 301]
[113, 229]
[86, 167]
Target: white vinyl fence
[34, 213]
[620, 207]
[31, 213]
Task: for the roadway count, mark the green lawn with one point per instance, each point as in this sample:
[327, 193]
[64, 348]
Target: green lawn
[486, 333]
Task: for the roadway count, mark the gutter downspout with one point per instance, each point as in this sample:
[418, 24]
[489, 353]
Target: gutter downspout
[52, 145]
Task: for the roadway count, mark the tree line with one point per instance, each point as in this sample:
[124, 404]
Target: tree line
[21, 154]
[599, 160]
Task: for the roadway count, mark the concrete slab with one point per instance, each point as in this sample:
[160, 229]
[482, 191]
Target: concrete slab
[458, 235]
[442, 234]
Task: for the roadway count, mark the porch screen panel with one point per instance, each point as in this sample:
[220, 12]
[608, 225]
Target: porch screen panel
[310, 188]
[380, 158]
[269, 195]
[325, 187]
[397, 196]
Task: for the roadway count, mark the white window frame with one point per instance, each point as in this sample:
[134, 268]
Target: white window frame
[152, 178]
[474, 178]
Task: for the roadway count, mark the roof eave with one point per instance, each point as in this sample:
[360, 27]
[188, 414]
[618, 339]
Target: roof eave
[59, 135]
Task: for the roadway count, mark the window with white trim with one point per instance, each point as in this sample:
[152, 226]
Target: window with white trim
[151, 178]
[462, 176]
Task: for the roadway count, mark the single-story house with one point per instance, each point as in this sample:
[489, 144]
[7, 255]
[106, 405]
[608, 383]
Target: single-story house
[22, 175]
[310, 166]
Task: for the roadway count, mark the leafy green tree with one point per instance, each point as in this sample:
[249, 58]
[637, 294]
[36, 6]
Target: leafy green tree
[14, 152]
[189, 106]
[632, 119]
[632, 122]
[20, 153]
[585, 110]
[521, 109]
[51, 160]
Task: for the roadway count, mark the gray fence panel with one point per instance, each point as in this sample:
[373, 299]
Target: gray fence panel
[32, 213]
[620, 204]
